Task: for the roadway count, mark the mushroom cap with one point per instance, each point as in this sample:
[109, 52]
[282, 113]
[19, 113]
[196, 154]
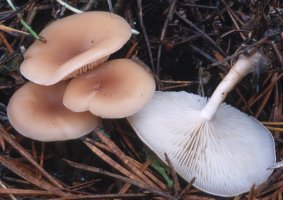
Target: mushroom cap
[227, 155]
[74, 44]
[115, 89]
[37, 112]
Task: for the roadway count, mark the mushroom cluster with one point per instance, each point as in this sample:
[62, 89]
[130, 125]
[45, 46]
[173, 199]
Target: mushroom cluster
[52, 108]
[227, 151]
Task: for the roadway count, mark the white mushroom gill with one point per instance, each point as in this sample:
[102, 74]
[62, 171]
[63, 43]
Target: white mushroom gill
[227, 153]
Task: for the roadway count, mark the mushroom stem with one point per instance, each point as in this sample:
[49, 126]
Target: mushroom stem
[239, 70]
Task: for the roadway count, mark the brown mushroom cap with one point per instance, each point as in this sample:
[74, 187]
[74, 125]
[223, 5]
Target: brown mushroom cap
[74, 44]
[115, 89]
[37, 112]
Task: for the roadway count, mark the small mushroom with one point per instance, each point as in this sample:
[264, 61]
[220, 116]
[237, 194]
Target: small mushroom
[74, 45]
[37, 112]
[115, 89]
[226, 150]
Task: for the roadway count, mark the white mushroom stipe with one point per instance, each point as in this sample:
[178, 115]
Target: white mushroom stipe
[241, 68]
[228, 152]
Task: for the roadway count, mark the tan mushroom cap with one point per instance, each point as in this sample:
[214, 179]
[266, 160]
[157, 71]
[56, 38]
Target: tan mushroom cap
[115, 89]
[37, 112]
[74, 44]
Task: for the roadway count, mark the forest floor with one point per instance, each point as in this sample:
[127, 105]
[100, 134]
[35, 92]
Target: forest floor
[189, 45]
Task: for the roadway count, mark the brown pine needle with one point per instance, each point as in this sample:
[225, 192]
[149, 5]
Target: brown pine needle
[6, 136]
[124, 159]
[110, 161]
[12, 30]
[127, 180]
[19, 169]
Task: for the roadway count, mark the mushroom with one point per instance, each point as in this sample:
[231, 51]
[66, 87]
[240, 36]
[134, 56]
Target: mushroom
[37, 112]
[74, 45]
[115, 89]
[225, 149]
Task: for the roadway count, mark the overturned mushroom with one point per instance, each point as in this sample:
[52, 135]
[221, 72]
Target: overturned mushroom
[115, 89]
[74, 44]
[37, 112]
[226, 150]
